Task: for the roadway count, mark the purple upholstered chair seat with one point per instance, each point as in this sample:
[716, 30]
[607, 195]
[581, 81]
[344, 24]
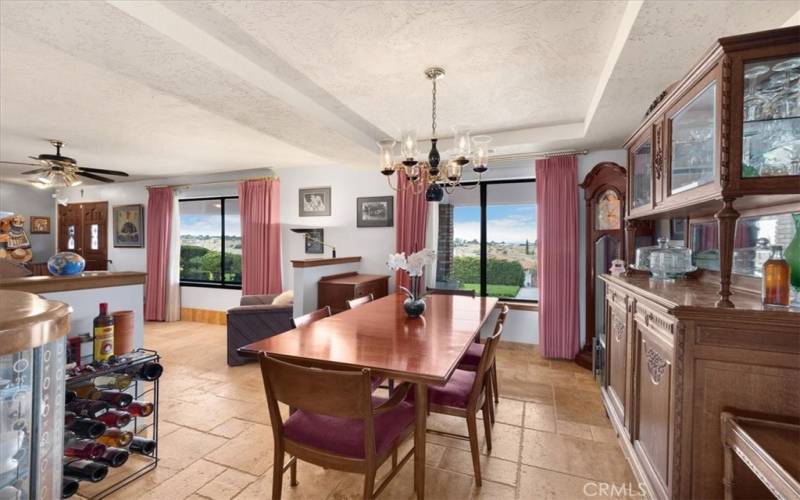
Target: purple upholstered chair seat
[345, 436]
[375, 382]
[456, 392]
[473, 355]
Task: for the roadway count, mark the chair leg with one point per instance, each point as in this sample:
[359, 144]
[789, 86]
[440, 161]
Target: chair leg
[293, 473]
[391, 387]
[369, 485]
[495, 390]
[487, 426]
[277, 474]
[472, 428]
[488, 396]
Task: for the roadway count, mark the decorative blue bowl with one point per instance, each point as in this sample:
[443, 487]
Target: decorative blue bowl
[65, 264]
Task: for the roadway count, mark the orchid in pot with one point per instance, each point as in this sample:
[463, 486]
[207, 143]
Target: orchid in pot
[413, 265]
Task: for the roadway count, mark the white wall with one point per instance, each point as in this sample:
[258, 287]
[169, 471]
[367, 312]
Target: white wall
[27, 201]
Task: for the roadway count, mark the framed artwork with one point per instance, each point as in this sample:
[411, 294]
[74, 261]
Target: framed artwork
[314, 240]
[129, 226]
[315, 202]
[40, 224]
[375, 211]
[609, 211]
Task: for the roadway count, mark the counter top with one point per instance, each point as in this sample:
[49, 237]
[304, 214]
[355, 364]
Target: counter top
[85, 280]
[28, 321]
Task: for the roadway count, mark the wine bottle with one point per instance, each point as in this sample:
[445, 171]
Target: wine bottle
[69, 486]
[115, 457]
[115, 437]
[88, 407]
[140, 408]
[87, 470]
[142, 446]
[87, 428]
[70, 396]
[114, 398]
[148, 372]
[69, 417]
[115, 418]
[112, 381]
[103, 334]
[82, 448]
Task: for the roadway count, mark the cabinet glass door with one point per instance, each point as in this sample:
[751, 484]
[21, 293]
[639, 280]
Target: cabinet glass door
[693, 152]
[642, 166]
[771, 129]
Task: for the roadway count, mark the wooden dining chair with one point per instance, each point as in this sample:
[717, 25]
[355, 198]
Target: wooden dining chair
[311, 317]
[464, 394]
[472, 358]
[336, 422]
[360, 301]
[451, 291]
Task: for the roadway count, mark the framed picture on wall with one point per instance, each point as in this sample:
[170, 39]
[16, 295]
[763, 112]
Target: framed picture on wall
[315, 202]
[129, 226]
[314, 240]
[40, 224]
[375, 211]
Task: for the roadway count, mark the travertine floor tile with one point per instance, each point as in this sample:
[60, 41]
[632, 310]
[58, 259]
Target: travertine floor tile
[541, 417]
[313, 483]
[185, 446]
[509, 411]
[250, 451]
[574, 429]
[580, 406]
[232, 428]
[575, 456]
[604, 434]
[185, 482]
[226, 485]
[492, 468]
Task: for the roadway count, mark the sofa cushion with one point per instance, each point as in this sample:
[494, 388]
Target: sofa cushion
[345, 436]
[284, 299]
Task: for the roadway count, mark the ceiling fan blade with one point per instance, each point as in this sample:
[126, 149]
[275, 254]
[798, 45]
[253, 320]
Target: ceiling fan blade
[93, 176]
[102, 171]
[18, 163]
[36, 171]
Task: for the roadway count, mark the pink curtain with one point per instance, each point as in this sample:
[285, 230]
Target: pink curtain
[412, 220]
[158, 232]
[259, 208]
[557, 235]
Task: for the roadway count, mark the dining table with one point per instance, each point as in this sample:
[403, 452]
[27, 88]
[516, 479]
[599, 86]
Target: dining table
[380, 336]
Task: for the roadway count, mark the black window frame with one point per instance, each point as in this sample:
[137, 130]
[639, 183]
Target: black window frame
[484, 257]
[222, 284]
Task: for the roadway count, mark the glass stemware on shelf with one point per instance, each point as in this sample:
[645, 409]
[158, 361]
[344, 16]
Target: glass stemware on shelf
[771, 132]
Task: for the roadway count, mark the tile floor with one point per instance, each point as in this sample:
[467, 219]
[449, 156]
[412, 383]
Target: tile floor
[552, 439]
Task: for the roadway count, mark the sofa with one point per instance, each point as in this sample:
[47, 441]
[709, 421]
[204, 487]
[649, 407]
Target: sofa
[258, 317]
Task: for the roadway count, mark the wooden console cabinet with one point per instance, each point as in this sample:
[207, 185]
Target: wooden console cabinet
[676, 361]
[336, 290]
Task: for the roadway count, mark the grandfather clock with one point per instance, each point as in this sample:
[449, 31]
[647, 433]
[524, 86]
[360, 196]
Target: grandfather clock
[604, 194]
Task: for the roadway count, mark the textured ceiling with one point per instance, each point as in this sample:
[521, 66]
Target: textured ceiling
[175, 88]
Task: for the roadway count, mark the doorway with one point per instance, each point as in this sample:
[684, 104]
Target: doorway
[83, 229]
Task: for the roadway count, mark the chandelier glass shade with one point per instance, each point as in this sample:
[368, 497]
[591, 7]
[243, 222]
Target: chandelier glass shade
[442, 171]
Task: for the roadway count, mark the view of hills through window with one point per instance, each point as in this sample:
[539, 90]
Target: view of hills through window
[203, 243]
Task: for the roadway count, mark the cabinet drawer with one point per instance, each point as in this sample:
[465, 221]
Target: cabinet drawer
[377, 288]
[617, 296]
[654, 317]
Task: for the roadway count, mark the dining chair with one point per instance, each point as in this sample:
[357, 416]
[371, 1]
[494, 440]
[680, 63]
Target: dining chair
[337, 423]
[472, 359]
[360, 301]
[311, 317]
[464, 394]
[451, 291]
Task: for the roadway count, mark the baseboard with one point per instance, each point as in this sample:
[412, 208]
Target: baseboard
[204, 316]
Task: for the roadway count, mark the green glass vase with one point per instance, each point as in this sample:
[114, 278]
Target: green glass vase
[792, 255]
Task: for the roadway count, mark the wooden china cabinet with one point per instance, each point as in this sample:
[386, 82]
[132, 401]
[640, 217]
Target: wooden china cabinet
[719, 149]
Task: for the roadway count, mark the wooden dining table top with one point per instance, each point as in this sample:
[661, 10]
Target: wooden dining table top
[380, 336]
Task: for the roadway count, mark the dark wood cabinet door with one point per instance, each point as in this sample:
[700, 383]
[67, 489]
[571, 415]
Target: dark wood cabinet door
[83, 229]
[617, 361]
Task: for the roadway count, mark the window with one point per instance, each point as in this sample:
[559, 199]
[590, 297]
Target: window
[487, 240]
[211, 242]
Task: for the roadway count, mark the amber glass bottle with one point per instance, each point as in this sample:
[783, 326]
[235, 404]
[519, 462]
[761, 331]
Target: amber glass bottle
[103, 334]
[775, 284]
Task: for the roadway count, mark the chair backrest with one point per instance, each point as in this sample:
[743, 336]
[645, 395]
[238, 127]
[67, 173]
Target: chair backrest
[451, 291]
[366, 299]
[486, 362]
[501, 318]
[311, 317]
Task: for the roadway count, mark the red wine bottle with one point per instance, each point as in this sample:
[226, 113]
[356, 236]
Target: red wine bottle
[86, 470]
[115, 457]
[115, 418]
[69, 486]
[142, 446]
[140, 408]
[114, 398]
[87, 428]
[69, 417]
[70, 396]
[84, 448]
[87, 407]
[148, 372]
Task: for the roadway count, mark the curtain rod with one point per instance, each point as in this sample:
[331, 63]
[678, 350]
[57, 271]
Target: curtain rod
[541, 154]
[227, 181]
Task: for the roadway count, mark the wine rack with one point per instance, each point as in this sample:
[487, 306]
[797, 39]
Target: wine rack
[138, 463]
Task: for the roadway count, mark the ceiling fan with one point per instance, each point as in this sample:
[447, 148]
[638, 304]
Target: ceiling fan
[57, 171]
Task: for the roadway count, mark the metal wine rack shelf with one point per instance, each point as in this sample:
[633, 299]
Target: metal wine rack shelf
[137, 464]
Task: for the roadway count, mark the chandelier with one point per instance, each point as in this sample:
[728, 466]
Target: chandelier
[438, 174]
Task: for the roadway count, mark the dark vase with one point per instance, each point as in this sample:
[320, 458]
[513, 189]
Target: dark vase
[414, 307]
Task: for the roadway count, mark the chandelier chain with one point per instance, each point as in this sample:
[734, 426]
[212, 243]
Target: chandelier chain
[433, 112]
